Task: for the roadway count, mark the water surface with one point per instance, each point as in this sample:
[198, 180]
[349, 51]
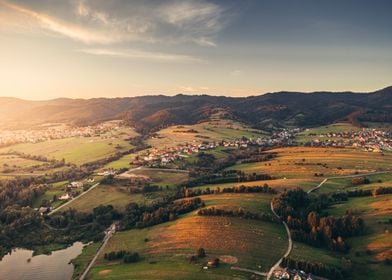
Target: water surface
[20, 264]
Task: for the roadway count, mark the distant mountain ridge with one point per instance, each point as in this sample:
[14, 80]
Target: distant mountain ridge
[147, 113]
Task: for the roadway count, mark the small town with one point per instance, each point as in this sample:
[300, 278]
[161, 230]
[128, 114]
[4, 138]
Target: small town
[161, 157]
[369, 140]
[56, 131]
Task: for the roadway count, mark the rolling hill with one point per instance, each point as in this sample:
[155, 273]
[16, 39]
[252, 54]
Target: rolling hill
[148, 113]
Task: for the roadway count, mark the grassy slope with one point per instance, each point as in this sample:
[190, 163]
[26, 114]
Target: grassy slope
[278, 184]
[170, 244]
[78, 150]
[303, 162]
[162, 177]
[332, 128]
[81, 261]
[214, 130]
[345, 184]
[378, 239]
[117, 196]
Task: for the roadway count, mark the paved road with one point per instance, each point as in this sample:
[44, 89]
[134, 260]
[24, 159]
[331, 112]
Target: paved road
[109, 233]
[68, 202]
[289, 248]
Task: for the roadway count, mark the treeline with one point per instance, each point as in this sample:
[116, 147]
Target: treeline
[319, 269]
[25, 227]
[304, 216]
[343, 196]
[141, 216]
[240, 213]
[189, 192]
[231, 176]
[125, 256]
[12, 193]
[259, 158]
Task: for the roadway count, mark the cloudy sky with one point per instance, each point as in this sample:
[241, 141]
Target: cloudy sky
[93, 48]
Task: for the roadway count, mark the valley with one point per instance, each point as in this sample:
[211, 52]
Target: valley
[173, 192]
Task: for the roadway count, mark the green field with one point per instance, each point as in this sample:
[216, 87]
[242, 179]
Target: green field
[304, 162]
[16, 161]
[166, 248]
[170, 245]
[213, 130]
[161, 177]
[77, 150]
[253, 202]
[117, 196]
[55, 189]
[277, 184]
[345, 184]
[313, 133]
[123, 162]
[369, 250]
[81, 261]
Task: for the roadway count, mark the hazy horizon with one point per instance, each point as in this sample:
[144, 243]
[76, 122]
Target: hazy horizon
[88, 49]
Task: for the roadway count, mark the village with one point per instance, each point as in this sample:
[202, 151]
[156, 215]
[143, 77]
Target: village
[56, 131]
[286, 274]
[369, 140]
[161, 157]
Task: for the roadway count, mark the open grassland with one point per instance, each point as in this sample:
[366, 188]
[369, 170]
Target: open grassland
[171, 244]
[305, 162]
[116, 196]
[213, 130]
[304, 252]
[53, 190]
[77, 150]
[218, 153]
[313, 133]
[123, 162]
[9, 160]
[278, 184]
[345, 184]
[162, 177]
[81, 261]
[166, 269]
[253, 202]
[370, 250]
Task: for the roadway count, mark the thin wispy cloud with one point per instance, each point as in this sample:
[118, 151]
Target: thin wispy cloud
[97, 22]
[138, 54]
[60, 27]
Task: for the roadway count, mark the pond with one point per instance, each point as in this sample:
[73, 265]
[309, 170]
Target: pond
[21, 264]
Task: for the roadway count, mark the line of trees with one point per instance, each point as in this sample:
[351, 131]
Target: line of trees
[125, 256]
[316, 268]
[189, 192]
[140, 216]
[240, 212]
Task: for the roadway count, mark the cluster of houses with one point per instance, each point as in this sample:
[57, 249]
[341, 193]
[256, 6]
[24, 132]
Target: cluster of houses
[370, 140]
[286, 274]
[58, 131]
[161, 157]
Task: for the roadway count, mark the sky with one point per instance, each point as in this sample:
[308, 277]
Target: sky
[101, 48]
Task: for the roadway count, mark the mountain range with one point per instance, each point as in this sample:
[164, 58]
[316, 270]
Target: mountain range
[149, 113]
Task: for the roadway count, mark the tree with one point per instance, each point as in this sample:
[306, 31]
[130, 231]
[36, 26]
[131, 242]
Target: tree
[201, 253]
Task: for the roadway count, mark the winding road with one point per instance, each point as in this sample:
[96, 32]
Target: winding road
[290, 247]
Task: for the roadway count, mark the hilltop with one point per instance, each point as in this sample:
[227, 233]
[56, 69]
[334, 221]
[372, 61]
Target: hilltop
[146, 113]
